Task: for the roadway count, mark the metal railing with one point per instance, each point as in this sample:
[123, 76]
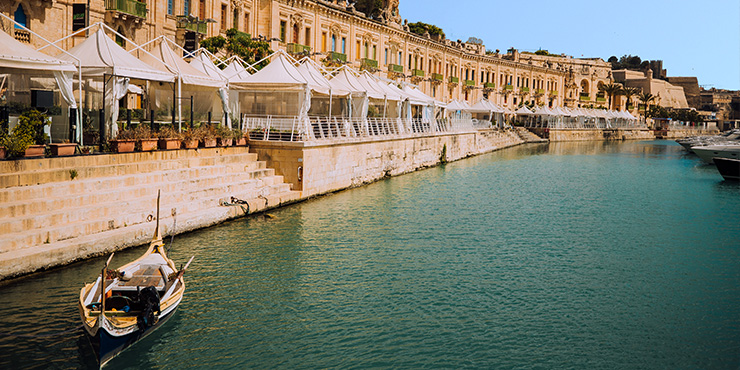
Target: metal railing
[184, 23]
[454, 80]
[395, 68]
[524, 89]
[417, 73]
[469, 83]
[339, 57]
[295, 129]
[366, 63]
[438, 77]
[130, 7]
[297, 49]
[489, 85]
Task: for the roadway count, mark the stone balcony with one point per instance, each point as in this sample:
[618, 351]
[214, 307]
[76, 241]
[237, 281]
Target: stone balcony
[127, 9]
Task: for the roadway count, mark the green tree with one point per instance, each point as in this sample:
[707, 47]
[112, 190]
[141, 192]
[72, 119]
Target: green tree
[628, 93]
[611, 90]
[647, 99]
[420, 28]
[237, 43]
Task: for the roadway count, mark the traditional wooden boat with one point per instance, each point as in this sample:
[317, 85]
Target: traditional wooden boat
[138, 298]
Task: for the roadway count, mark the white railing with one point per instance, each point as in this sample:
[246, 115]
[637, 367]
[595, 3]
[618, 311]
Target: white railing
[274, 128]
[580, 122]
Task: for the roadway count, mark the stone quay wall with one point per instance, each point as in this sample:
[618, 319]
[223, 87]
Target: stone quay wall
[54, 211]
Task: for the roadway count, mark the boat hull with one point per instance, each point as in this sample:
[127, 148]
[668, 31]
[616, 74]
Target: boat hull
[728, 168]
[108, 345]
[706, 153]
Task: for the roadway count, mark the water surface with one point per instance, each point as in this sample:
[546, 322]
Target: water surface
[571, 255]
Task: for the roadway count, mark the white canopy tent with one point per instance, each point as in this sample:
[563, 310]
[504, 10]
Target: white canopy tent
[344, 79]
[207, 93]
[326, 99]
[104, 60]
[24, 68]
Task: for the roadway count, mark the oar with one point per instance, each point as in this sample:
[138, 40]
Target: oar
[179, 274]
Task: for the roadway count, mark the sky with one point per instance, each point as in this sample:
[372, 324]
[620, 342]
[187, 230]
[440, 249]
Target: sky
[692, 38]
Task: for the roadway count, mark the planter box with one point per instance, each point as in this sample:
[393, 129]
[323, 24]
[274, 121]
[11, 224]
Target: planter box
[225, 142]
[62, 150]
[209, 143]
[2, 152]
[35, 151]
[190, 144]
[149, 145]
[169, 144]
[242, 141]
[122, 146]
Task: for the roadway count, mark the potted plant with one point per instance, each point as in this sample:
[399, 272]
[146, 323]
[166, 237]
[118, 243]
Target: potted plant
[169, 138]
[3, 140]
[146, 139]
[28, 138]
[62, 149]
[224, 136]
[189, 138]
[240, 139]
[124, 142]
[207, 135]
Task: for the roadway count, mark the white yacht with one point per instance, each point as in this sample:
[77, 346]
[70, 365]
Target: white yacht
[706, 153]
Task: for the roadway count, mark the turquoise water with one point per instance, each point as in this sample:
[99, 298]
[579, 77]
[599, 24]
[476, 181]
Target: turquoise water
[572, 255]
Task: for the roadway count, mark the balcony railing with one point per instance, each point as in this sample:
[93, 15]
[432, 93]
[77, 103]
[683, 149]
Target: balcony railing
[585, 97]
[524, 89]
[417, 73]
[337, 57]
[22, 36]
[600, 99]
[367, 63]
[489, 85]
[130, 7]
[553, 93]
[438, 77]
[454, 80]
[469, 83]
[183, 23]
[395, 68]
[509, 88]
[297, 49]
[540, 91]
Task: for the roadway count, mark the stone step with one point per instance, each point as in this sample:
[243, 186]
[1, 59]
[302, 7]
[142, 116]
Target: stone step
[50, 170]
[22, 199]
[69, 224]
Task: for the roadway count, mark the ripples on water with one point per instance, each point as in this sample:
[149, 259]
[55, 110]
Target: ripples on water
[574, 255]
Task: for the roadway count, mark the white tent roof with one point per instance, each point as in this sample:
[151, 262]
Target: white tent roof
[419, 96]
[99, 55]
[235, 72]
[166, 59]
[457, 105]
[378, 91]
[523, 110]
[346, 80]
[204, 64]
[279, 73]
[485, 106]
[14, 54]
[317, 81]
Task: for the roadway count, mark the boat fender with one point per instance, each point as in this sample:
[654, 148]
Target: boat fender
[149, 300]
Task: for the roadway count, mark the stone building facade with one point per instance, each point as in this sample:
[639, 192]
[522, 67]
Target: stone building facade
[333, 31]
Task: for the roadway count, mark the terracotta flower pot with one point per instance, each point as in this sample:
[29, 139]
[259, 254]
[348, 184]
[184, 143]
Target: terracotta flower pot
[242, 141]
[122, 146]
[209, 143]
[35, 151]
[148, 145]
[2, 152]
[225, 142]
[190, 144]
[63, 149]
[169, 144]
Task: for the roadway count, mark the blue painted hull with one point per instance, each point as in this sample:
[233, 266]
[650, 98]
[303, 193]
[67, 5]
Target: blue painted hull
[107, 346]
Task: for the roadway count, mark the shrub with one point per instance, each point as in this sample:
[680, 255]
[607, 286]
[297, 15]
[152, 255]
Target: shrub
[29, 131]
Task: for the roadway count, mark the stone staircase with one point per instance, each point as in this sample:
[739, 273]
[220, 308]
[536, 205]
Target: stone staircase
[57, 210]
[528, 136]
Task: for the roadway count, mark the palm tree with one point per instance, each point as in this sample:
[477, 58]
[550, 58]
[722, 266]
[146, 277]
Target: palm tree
[628, 93]
[646, 98]
[611, 90]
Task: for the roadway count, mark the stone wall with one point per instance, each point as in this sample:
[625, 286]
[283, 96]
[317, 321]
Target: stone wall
[57, 210]
[319, 168]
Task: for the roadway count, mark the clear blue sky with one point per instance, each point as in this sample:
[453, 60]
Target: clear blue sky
[693, 38]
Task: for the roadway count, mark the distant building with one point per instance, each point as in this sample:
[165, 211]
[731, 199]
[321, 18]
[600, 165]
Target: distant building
[668, 95]
[691, 89]
[725, 104]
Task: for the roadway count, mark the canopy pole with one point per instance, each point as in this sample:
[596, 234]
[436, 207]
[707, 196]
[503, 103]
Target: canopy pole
[179, 103]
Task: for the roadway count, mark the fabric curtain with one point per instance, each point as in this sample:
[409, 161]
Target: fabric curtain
[115, 90]
[303, 115]
[224, 95]
[64, 83]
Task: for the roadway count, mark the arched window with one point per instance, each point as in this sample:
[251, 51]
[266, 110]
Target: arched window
[120, 40]
[333, 42]
[20, 17]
